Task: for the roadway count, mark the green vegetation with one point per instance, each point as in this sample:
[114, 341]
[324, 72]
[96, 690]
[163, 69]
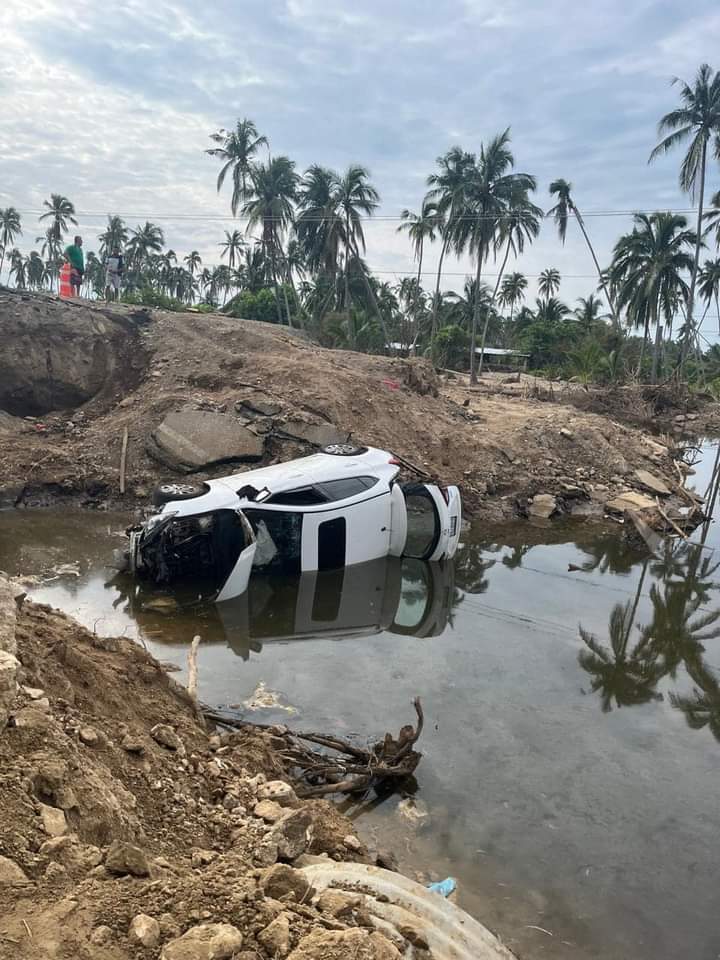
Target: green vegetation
[298, 258]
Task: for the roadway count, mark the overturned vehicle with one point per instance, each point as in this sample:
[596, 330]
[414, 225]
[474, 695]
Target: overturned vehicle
[339, 507]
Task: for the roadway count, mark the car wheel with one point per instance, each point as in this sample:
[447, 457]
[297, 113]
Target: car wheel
[178, 490]
[343, 450]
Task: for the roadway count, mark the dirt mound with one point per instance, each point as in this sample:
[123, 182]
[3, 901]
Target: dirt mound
[58, 359]
[501, 449]
[127, 825]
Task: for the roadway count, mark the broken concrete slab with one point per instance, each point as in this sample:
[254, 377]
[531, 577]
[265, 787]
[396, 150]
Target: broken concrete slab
[652, 483]
[188, 440]
[630, 500]
[318, 434]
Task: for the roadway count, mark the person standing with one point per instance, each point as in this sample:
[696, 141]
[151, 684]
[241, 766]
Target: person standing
[113, 274]
[74, 256]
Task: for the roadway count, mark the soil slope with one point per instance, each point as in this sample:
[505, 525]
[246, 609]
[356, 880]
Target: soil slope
[126, 825]
[501, 448]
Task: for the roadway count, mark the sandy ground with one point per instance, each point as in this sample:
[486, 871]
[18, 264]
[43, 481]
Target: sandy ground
[502, 442]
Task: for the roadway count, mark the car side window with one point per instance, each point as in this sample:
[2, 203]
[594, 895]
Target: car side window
[346, 487]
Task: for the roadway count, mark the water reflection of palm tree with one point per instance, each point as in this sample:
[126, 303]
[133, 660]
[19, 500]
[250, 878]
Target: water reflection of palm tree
[626, 674]
[702, 707]
[608, 554]
[516, 556]
[471, 565]
[677, 631]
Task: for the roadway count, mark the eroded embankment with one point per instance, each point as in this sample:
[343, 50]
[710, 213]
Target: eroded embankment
[247, 392]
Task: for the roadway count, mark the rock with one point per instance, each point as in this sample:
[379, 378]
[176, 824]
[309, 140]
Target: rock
[11, 875]
[387, 860]
[415, 937]
[101, 936]
[269, 811]
[189, 440]
[542, 506]
[125, 858]
[351, 842]
[166, 737]
[132, 744]
[207, 941]
[317, 434]
[144, 930]
[276, 937]
[652, 483]
[335, 903]
[258, 408]
[76, 857]
[292, 834]
[35, 693]
[201, 858]
[53, 821]
[342, 944]
[282, 880]
[630, 500]
[266, 852]
[55, 871]
[564, 432]
[89, 736]
[279, 791]
[9, 666]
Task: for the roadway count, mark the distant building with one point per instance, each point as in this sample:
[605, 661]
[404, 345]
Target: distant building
[499, 357]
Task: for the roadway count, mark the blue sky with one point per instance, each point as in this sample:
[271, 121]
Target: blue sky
[112, 104]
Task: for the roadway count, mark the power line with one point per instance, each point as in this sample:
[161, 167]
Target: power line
[208, 217]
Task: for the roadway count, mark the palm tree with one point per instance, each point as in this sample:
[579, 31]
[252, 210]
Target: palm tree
[420, 227]
[232, 245]
[319, 223]
[36, 271]
[551, 310]
[61, 211]
[490, 189]
[696, 120]
[10, 228]
[269, 204]
[145, 240]
[519, 225]
[561, 214]
[679, 628]
[447, 191]
[709, 286]
[18, 268]
[646, 272]
[512, 291]
[589, 312]
[354, 198]
[713, 218]
[236, 150]
[549, 282]
[193, 261]
[114, 237]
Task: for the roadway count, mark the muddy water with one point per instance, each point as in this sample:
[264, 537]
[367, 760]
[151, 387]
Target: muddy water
[570, 777]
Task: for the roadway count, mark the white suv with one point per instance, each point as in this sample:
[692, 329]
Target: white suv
[338, 507]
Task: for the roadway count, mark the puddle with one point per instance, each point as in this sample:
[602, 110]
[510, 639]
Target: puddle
[572, 705]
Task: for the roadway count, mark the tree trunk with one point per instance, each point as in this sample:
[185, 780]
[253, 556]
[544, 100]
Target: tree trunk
[475, 318]
[610, 300]
[2, 261]
[658, 343]
[350, 327]
[287, 305]
[646, 331]
[433, 329]
[376, 305]
[696, 262]
[418, 299]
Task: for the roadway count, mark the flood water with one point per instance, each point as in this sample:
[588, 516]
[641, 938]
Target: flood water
[572, 701]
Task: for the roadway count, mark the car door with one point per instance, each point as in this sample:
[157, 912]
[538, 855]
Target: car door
[433, 521]
[237, 582]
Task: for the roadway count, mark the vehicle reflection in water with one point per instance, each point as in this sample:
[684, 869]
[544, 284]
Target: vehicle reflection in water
[394, 595]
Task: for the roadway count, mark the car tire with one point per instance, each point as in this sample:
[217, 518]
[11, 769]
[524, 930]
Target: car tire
[343, 450]
[178, 490]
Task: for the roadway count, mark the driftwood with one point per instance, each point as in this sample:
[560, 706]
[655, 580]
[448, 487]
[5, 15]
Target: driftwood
[123, 460]
[341, 767]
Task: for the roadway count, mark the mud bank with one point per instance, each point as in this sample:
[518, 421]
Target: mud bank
[80, 378]
[129, 830]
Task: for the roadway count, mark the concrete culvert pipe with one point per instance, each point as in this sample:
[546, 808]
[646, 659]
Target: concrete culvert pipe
[397, 904]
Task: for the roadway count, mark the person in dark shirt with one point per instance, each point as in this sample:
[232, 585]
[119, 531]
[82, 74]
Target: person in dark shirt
[113, 274]
[74, 256]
